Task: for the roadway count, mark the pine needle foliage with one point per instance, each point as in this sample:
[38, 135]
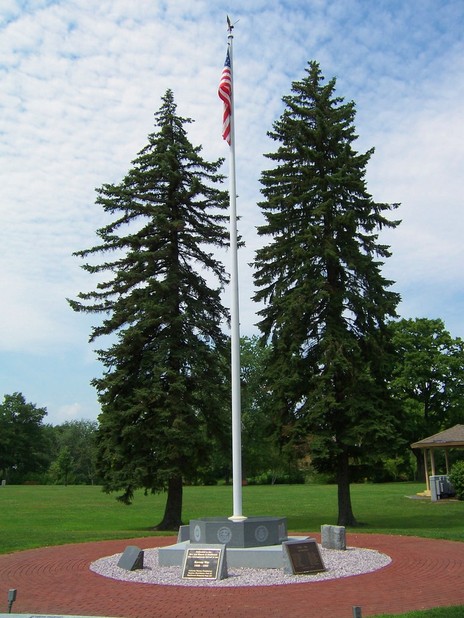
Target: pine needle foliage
[326, 303]
[159, 290]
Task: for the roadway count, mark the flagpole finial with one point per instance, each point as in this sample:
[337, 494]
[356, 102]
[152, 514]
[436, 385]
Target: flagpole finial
[230, 25]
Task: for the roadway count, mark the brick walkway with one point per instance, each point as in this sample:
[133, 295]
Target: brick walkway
[424, 573]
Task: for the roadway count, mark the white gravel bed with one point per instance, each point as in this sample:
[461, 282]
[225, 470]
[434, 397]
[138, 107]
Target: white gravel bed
[352, 561]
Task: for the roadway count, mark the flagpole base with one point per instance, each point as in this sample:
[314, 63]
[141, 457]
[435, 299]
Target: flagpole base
[237, 518]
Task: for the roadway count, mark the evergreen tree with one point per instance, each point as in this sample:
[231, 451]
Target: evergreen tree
[325, 301]
[162, 390]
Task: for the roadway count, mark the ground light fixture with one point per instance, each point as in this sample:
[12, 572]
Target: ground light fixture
[11, 598]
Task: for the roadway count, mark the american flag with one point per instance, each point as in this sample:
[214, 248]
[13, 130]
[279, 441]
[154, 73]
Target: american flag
[225, 93]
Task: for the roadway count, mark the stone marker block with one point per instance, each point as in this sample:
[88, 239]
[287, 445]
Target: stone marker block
[131, 559]
[183, 534]
[333, 537]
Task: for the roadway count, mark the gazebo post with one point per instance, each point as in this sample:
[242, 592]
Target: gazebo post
[426, 468]
[446, 460]
[432, 460]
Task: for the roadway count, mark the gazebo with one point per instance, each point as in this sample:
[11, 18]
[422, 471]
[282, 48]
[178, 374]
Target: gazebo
[450, 438]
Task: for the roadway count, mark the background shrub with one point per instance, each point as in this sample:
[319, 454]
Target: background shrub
[457, 479]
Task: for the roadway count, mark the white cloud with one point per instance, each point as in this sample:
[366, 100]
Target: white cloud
[69, 412]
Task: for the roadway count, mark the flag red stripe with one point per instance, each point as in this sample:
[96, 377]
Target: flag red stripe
[225, 94]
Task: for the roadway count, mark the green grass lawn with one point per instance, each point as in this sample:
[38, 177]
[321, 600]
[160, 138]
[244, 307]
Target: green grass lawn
[37, 516]
[439, 612]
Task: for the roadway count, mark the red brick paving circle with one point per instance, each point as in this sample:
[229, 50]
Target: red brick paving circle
[424, 573]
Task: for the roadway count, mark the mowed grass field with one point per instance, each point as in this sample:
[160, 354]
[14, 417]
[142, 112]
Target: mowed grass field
[439, 612]
[37, 516]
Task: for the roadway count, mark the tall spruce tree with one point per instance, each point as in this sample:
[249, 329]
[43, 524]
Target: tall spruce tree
[326, 303]
[162, 390]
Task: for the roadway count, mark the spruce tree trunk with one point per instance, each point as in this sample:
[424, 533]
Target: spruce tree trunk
[420, 467]
[345, 511]
[173, 512]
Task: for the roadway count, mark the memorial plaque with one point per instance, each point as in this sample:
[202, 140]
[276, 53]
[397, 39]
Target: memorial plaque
[204, 562]
[302, 557]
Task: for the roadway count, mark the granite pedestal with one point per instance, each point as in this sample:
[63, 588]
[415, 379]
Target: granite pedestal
[251, 532]
[255, 542]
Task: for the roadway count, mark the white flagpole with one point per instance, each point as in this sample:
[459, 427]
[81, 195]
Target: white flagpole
[234, 316]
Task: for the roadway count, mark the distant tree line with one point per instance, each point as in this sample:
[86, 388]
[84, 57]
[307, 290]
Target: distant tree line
[32, 451]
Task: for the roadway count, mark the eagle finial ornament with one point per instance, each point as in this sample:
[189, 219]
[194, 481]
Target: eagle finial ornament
[230, 25]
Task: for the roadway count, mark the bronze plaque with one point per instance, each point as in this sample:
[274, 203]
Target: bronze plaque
[202, 563]
[304, 557]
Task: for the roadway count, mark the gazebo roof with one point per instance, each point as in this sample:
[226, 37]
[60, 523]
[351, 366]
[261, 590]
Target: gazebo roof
[453, 437]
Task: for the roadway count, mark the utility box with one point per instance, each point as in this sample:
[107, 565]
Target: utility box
[441, 488]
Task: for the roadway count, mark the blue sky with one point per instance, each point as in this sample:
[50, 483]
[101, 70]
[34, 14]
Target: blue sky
[80, 82]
